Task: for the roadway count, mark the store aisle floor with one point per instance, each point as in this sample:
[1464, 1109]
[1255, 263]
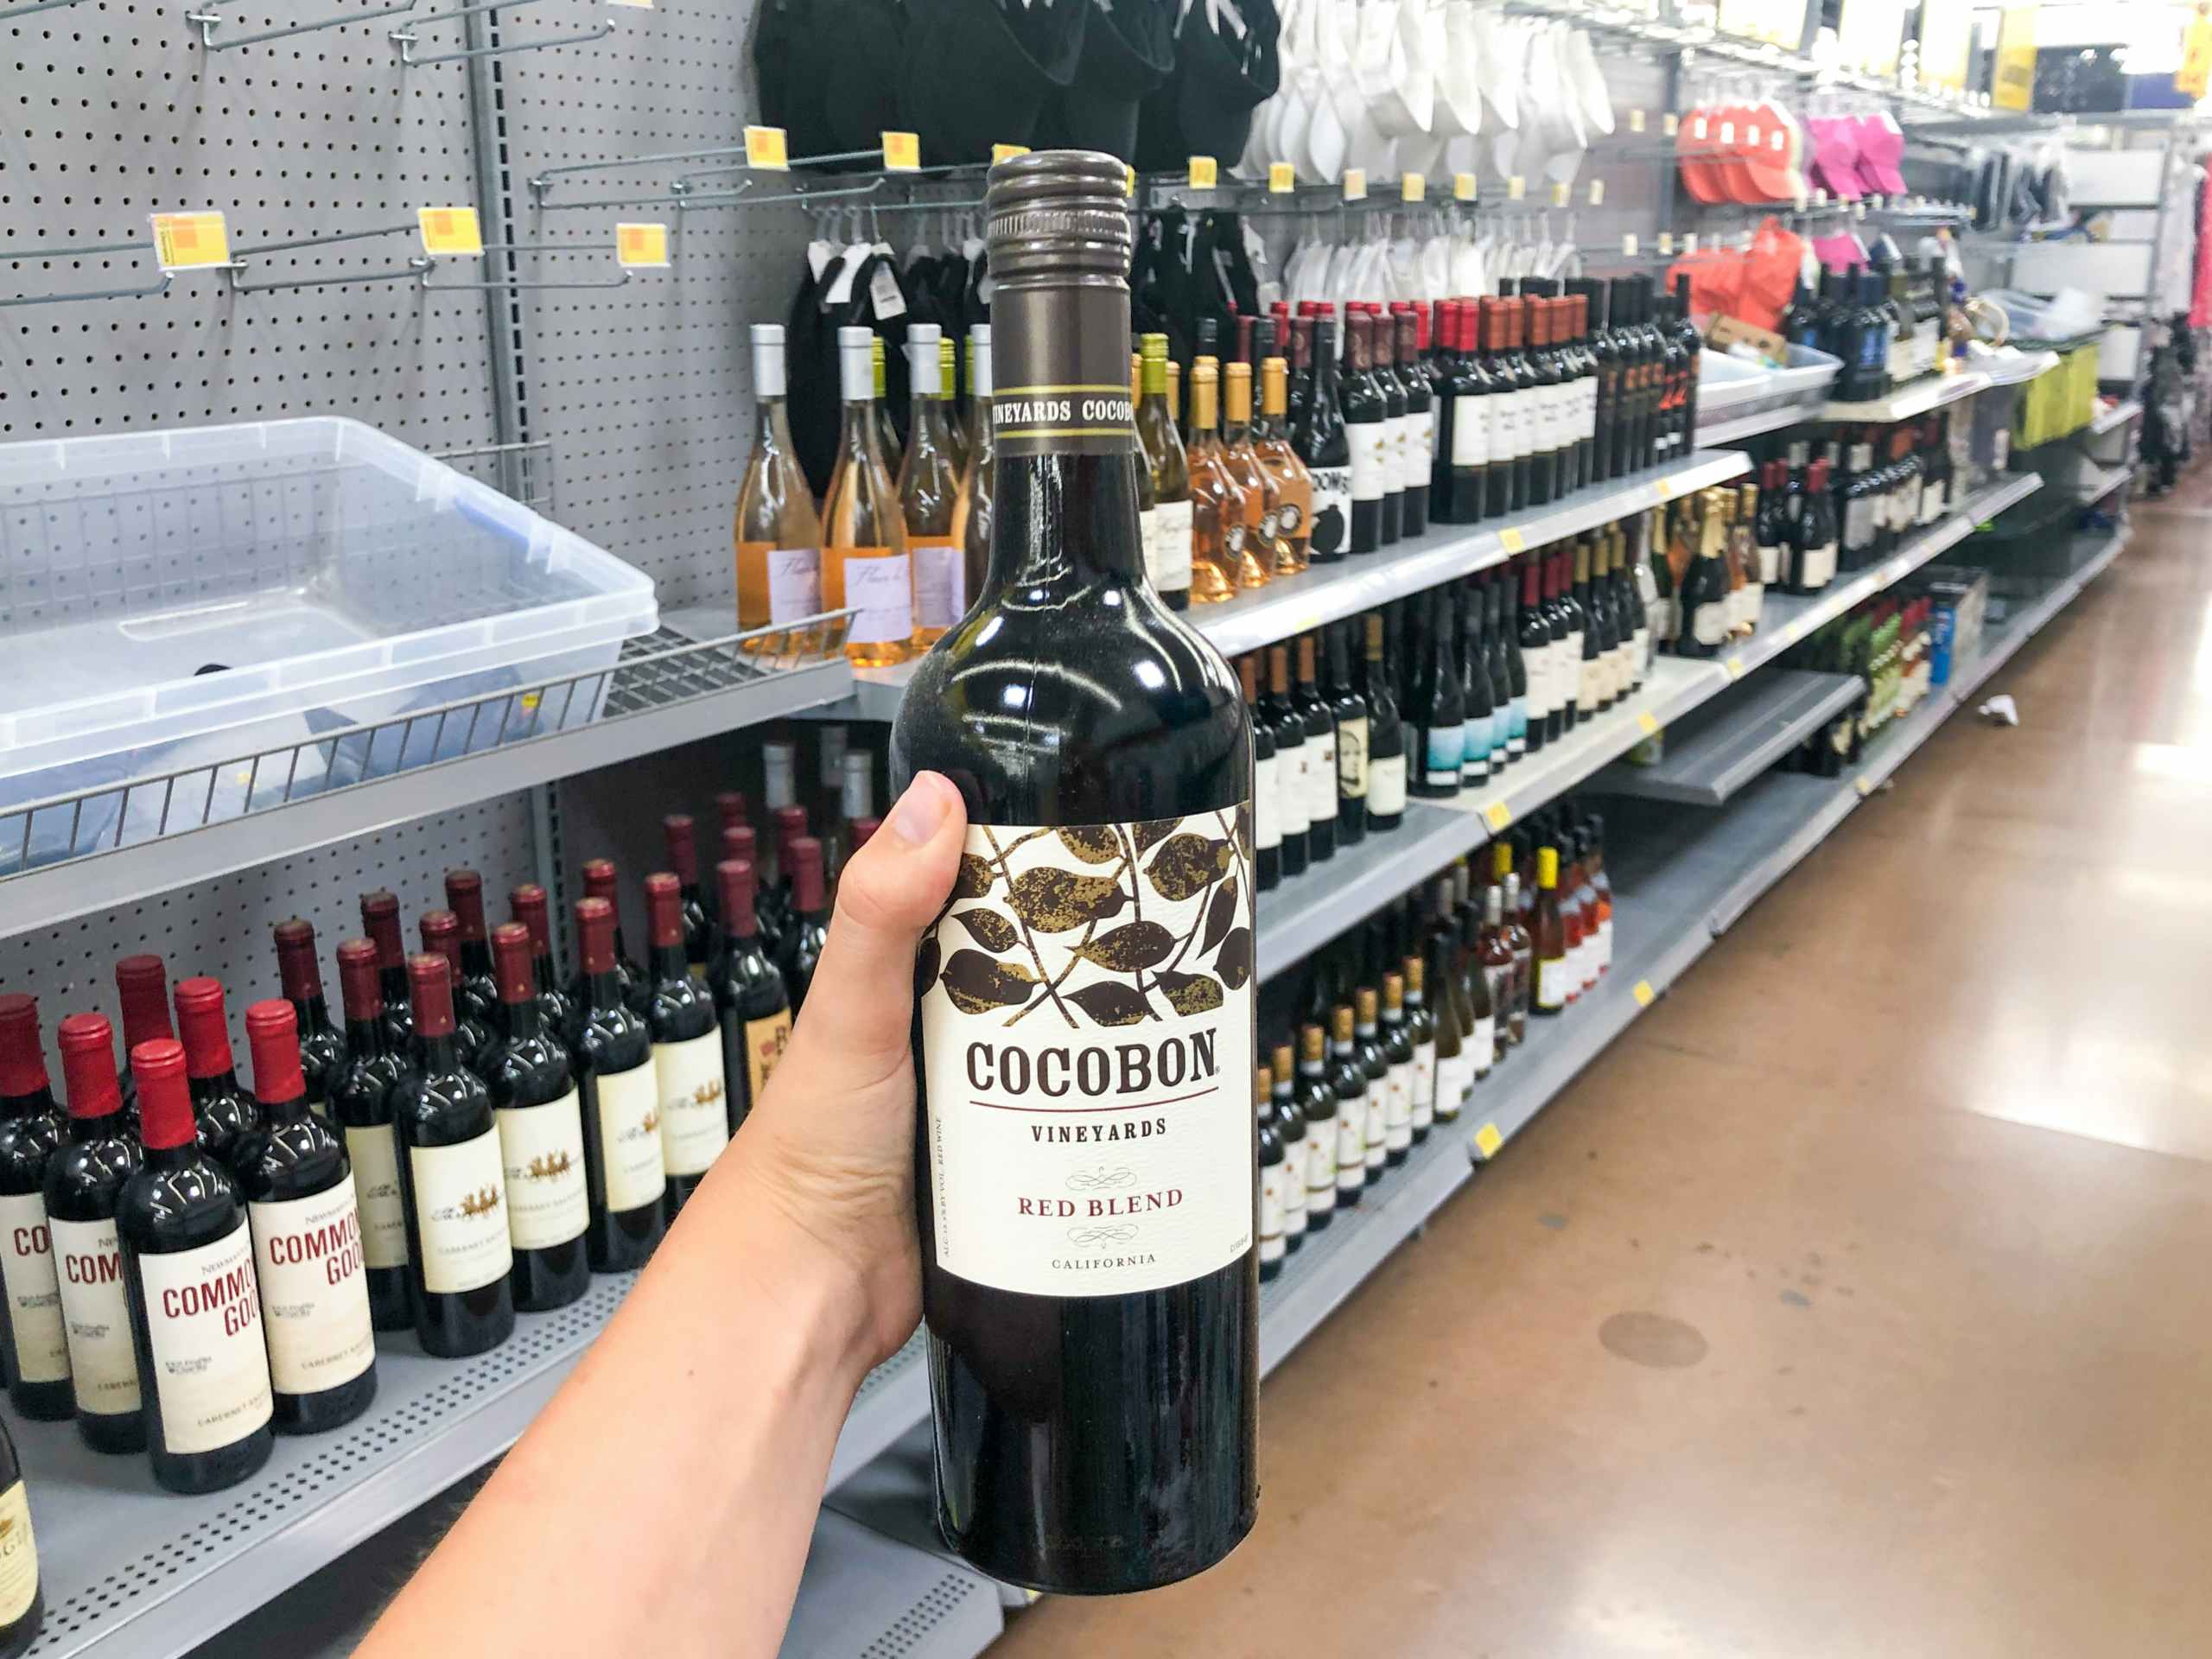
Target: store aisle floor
[1856, 1302]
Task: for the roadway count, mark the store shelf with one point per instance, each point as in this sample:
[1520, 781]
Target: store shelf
[1730, 744]
[1929, 392]
[1306, 912]
[1719, 434]
[2119, 415]
[865, 1596]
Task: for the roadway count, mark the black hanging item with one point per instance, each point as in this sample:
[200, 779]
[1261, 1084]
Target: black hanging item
[1226, 65]
[865, 44]
[976, 73]
[1129, 48]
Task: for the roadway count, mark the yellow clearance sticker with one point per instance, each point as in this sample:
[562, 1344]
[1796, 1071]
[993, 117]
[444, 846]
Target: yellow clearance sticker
[902, 152]
[1497, 815]
[641, 247]
[1007, 152]
[1488, 1139]
[1644, 994]
[764, 149]
[1646, 724]
[1510, 539]
[191, 241]
[1412, 187]
[1205, 172]
[1462, 186]
[1283, 178]
[1515, 188]
[450, 232]
[1355, 184]
[1865, 786]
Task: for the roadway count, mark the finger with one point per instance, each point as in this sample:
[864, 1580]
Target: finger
[861, 1000]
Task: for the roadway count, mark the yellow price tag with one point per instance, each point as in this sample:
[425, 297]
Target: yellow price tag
[1205, 172]
[1864, 786]
[1644, 994]
[1355, 184]
[1283, 178]
[1664, 488]
[191, 241]
[640, 5]
[902, 152]
[1628, 244]
[1597, 193]
[641, 247]
[1559, 195]
[1515, 188]
[1636, 120]
[1670, 124]
[1462, 186]
[1646, 724]
[1735, 667]
[1488, 1139]
[450, 232]
[764, 149]
[1667, 242]
[1007, 152]
[1510, 539]
[1497, 815]
[1128, 180]
[1412, 187]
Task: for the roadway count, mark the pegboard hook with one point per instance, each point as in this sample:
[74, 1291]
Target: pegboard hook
[8, 14]
[207, 19]
[509, 284]
[154, 291]
[403, 38]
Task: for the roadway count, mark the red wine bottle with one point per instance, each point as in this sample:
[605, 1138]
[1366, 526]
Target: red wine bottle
[441, 930]
[221, 1105]
[360, 1103]
[323, 1050]
[687, 1049]
[37, 1351]
[298, 1187]
[84, 1179]
[750, 1001]
[22, 1590]
[142, 990]
[621, 1106]
[810, 920]
[540, 1114]
[732, 810]
[684, 859]
[532, 908]
[475, 988]
[380, 921]
[195, 1307]
[452, 1184]
[1093, 1360]
[600, 882]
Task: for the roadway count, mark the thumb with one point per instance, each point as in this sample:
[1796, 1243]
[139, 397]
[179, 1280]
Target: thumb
[863, 996]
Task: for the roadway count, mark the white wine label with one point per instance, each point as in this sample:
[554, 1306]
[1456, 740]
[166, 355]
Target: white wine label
[1397, 454]
[1293, 1190]
[1817, 565]
[1271, 1212]
[940, 580]
[1604, 944]
[1375, 1128]
[374, 1154]
[315, 1297]
[1420, 427]
[34, 1296]
[1169, 563]
[542, 1153]
[1148, 539]
[1454, 1077]
[1266, 810]
[794, 584]
[629, 1137]
[1293, 792]
[694, 1103]
[1086, 1037]
[1551, 982]
[1371, 448]
[1470, 431]
[18, 1554]
[1424, 1084]
[1352, 760]
[1398, 1126]
[1332, 531]
[1386, 786]
[461, 1213]
[210, 1365]
[1321, 779]
[96, 1318]
[1352, 1143]
[1482, 1047]
[1321, 1165]
[881, 585]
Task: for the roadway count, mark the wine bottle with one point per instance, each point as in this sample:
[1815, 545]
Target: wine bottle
[539, 1114]
[885, 423]
[1535, 641]
[1348, 709]
[1290, 1126]
[865, 564]
[142, 991]
[380, 921]
[528, 905]
[1568, 629]
[779, 533]
[452, 1184]
[1367, 1047]
[810, 928]
[1453, 1073]
[613, 1050]
[1367, 429]
[1550, 937]
[687, 1049]
[1508, 673]
[360, 1101]
[956, 422]
[680, 840]
[1167, 555]
[1317, 1104]
[1240, 459]
[1419, 427]
[1266, 803]
[298, 1189]
[1479, 748]
[928, 489]
[600, 882]
[1421, 1034]
[84, 1179]
[1290, 486]
[323, 1050]
[440, 931]
[1386, 738]
[474, 985]
[1321, 768]
[1494, 964]
[195, 1308]
[1272, 1175]
[223, 1110]
[1396, 450]
[22, 1589]
[1348, 1081]
[1293, 764]
[1399, 1131]
[1436, 712]
[971, 512]
[1323, 443]
[1219, 563]
[30, 1308]
[751, 1005]
[1131, 762]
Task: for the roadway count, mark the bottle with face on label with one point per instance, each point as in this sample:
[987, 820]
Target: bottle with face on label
[614, 1051]
[687, 1052]
[30, 1309]
[1167, 543]
[360, 1105]
[1240, 459]
[1273, 1171]
[452, 1184]
[221, 1105]
[1323, 443]
[84, 1179]
[1400, 1132]
[1267, 803]
[323, 1050]
[750, 1002]
[779, 535]
[539, 1113]
[865, 564]
[1094, 1388]
[929, 488]
[298, 1188]
[195, 1308]
[1290, 1127]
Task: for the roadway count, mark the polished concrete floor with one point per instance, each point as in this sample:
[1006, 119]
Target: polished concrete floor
[1858, 1301]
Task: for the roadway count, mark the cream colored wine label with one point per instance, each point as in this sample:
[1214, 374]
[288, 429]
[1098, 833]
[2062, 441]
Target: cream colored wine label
[203, 1319]
[18, 1555]
[694, 1103]
[315, 1297]
[461, 1213]
[1086, 1023]
[34, 1296]
[96, 1317]
[374, 1154]
[542, 1149]
[765, 1040]
[629, 1138]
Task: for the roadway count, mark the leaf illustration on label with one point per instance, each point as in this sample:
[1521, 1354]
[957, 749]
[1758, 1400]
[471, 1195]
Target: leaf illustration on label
[925, 965]
[1187, 866]
[1189, 993]
[1153, 832]
[1055, 901]
[976, 984]
[1234, 964]
[1244, 830]
[976, 876]
[992, 930]
[1221, 914]
[1127, 947]
[1092, 843]
[1111, 1004]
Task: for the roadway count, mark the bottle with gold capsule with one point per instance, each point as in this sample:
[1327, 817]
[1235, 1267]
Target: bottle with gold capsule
[1745, 553]
[1290, 486]
[1256, 553]
[887, 429]
[1290, 1124]
[1167, 538]
[1216, 501]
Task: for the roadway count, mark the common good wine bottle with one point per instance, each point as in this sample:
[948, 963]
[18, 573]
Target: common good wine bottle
[1323, 443]
[1399, 1131]
[779, 535]
[298, 1189]
[83, 1178]
[1386, 738]
[195, 1307]
[810, 926]
[223, 1109]
[360, 1102]
[865, 564]
[30, 1309]
[539, 1113]
[1274, 1172]
[600, 882]
[680, 841]
[929, 487]
[687, 1050]
[1167, 555]
[1266, 803]
[1094, 1359]
[452, 1184]
[751, 1005]
[621, 1105]
[323, 1050]
[440, 931]
[474, 989]
[1290, 1126]
[1321, 776]
[971, 512]
[380, 921]
[1348, 709]
[1436, 713]
[1317, 1105]
[142, 990]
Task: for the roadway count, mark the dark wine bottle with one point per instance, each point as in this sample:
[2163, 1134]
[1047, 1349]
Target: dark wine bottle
[298, 1189]
[750, 1001]
[1316, 1107]
[1436, 713]
[1386, 738]
[1325, 445]
[529, 905]
[1535, 641]
[1320, 728]
[682, 843]
[1482, 746]
[84, 1179]
[195, 1308]
[1094, 1369]
[323, 1050]
[475, 988]
[360, 1102]
[1273, 1171]
[1419, 422]
[1293, 764]
[1290, 1125]
[1399, 1130]
[600, 882]
[1267, 782]
[1367, 428]
[452, 1184]
[37, 1350]
[539, 1113]
[472, 1030]
[1348, 1081]
[142, 990]
[380, 921]
[614, 1072]
[221, 1105]
[687, 1047]
[1348, 709]
[22, 1590]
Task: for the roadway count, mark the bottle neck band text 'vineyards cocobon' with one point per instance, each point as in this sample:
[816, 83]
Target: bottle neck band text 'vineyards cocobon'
[1084, 1031]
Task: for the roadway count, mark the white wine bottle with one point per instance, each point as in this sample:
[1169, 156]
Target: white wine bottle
[864, 559]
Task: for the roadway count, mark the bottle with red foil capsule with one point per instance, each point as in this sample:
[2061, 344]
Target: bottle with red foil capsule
[750, 1001]
[31, 1311]
[195, 1307]
[810, 926]
[540, 1113]
[774, 903]
[621, 1107]
[530, 906]
[441, 930]
[298, 1187]
[380, 921]
[323, 1050]
[687, 1050]
[452, 1184]
[84, 1179]
[600, 882]
[474, 989]
[220, 1104]
[682, 843]
[360, 1103]
[142, 990]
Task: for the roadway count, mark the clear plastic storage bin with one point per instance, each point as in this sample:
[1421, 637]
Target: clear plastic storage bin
[175, 605]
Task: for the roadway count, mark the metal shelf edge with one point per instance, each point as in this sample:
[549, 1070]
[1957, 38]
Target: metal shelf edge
[1939, 391]
[1728, 754]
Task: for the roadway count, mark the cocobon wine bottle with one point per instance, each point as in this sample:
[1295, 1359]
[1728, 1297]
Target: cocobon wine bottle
[1090, 1299]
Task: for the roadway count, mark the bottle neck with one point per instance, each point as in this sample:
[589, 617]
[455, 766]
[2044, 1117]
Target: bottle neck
[314, 1013]
[667, 962]
[520, 1022]
[364, 1039]
[604, 988]
[440, 1052]
[541, 968]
